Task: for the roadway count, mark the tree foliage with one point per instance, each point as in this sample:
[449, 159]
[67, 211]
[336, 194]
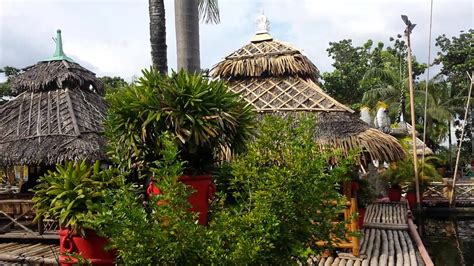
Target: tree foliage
[5, 90]
[370, 67]
[456, 61]
[113, 83]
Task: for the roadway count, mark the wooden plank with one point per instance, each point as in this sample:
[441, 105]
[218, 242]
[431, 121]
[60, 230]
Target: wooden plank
[58, 116]
[29, 114]
[19, 115]
[72, 113]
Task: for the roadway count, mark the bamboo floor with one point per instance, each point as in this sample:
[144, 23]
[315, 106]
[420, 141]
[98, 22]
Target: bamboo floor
[386, 240]
[14, 253]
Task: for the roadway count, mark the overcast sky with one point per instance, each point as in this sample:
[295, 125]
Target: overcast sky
[111, 37]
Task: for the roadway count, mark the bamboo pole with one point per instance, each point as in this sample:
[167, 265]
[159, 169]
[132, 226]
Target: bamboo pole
[412, 111]
[458, 155]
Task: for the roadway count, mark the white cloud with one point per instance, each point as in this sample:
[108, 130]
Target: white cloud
[111, 37]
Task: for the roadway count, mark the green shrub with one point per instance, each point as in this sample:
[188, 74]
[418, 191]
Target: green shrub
[164, 233]
[281, 190]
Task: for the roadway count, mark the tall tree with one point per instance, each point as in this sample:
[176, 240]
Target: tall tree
[156, 9]
[187, 13]
[350, 64]
[456, 60]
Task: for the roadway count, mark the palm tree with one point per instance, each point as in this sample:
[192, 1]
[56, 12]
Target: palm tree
[187, 13]
[159, 59]
[389, 84]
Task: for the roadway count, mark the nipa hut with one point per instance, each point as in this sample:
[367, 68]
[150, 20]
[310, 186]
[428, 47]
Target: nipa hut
[275, 78]
[57, 115]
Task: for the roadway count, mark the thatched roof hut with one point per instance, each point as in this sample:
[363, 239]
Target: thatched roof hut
[276, 78]
[57, 116]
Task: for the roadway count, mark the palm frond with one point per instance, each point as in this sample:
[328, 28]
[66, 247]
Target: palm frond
[209, 11]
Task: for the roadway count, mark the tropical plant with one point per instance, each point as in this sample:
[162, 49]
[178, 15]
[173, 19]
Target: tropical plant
[280, 194]
[73, 192]
[203, 115]
[403, 171]
[158, 234]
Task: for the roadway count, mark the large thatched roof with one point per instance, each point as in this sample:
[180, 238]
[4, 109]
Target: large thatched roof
[276, 78]
[58, 115]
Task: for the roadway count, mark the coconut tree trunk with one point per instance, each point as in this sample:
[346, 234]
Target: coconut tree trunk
[187, 34]
[156, 9]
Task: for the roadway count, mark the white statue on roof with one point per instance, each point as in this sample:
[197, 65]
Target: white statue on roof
[263, 24]
[382, 120]
[365, 115]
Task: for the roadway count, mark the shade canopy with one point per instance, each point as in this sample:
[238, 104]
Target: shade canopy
[57, 116]
[276, 78]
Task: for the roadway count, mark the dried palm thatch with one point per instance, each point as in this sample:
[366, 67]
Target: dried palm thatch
[42, 126]
[52, 75]
[277, 79]
[265, 59]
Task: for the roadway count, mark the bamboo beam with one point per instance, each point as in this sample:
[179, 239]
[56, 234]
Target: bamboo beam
[412, 113]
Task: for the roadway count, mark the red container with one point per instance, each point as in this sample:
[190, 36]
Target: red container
[90, 247]
[411, 198]
[395, 193]
[199, 200]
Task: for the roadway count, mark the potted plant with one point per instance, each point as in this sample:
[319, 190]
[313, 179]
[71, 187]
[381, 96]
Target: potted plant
[427, 173]
[397, 173]
[207, 121]
[71, 195]
[365, 196]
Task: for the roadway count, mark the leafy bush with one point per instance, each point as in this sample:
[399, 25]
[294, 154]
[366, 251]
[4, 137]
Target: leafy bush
[202, 114]
[73, 192]
[282, 191]
[161, 233]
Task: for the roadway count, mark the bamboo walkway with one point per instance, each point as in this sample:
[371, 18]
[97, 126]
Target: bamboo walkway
[386, 240]
[28, 253]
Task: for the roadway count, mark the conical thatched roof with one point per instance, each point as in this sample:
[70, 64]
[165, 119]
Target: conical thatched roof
[276, 78]
[58, 115]
[52, 75]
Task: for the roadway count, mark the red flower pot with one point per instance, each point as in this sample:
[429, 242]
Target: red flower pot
[90, 247]
[199, 200]
[395, 193]
[361, 217]
[411, 198]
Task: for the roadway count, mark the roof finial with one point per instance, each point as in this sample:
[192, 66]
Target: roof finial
[263, 24]
[263, 27]
[59, 53]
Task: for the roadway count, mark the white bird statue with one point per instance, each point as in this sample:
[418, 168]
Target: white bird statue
[382, 120]
[365, 115]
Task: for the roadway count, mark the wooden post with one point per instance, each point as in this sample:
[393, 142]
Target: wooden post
[354, 227]
[412, 112]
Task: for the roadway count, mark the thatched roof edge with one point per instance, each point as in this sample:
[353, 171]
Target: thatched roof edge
[52, 75]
